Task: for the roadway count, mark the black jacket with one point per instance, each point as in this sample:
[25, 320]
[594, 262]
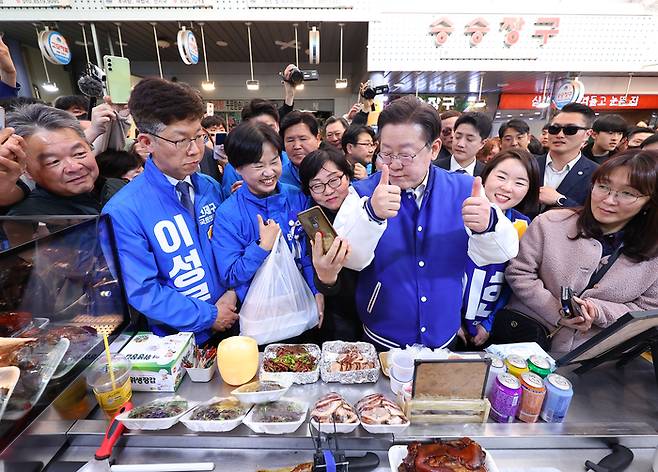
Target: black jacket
[444, 163]
[587, 152]
[576, 184]
[209, 166]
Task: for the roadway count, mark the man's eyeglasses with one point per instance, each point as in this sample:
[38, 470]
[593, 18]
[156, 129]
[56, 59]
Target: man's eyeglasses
[184, 144]
[334, 183]
[623, 197]
[370, 145]
[569, 130]
[405, 158]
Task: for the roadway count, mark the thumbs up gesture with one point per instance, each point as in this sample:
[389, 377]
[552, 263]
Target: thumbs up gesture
[476, 210]
[385, 200]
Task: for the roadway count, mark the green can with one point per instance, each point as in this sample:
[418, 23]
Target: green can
[539, 365]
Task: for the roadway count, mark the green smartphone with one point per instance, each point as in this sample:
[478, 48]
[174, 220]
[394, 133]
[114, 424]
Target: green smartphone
[117, 78]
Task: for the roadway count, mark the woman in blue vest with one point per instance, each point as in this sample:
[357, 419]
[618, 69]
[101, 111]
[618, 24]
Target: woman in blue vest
[248, 223]
[511, 182]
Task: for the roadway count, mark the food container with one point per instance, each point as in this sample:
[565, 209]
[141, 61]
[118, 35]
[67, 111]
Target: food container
[331, 351]
[212, 426]
[111, 397]
[157, 362]
[378, 401]
[396, 455]
[37, 363]
[328, 405]
[277, 427]
[402, 366]
[198, 374]
[263, 396]
[328, 428]
[152, 424]
[237, 359]
[8, 379]
[291, 377]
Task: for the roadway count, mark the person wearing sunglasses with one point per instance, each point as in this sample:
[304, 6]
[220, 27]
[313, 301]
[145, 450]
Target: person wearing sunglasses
[565, 175]
[411, 291]
[614, 235]
[162, 219]
[448, 119]
[359, 146]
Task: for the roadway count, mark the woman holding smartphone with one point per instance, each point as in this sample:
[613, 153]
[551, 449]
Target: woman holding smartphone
[325, 176]
[617, 228]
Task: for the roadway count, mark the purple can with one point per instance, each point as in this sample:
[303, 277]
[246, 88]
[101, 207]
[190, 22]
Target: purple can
[505, 398]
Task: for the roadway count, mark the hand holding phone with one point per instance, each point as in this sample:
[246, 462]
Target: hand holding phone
[570, 307]
[117, 78]
[315, 221]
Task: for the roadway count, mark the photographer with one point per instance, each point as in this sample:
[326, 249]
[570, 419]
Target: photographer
[615, 236]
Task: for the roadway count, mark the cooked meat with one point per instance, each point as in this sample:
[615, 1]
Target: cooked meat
[460, 455]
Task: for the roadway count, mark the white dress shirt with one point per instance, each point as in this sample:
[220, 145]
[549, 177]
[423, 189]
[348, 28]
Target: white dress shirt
[174, 182]
[454, 166]
[553, 178]
[419, 191]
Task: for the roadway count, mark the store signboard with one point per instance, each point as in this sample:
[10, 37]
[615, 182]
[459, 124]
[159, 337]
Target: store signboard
[54, 47]
[157, 3]
[187, 47]
[511, 42]
[35, 3]
[569, 91]
[520, 101]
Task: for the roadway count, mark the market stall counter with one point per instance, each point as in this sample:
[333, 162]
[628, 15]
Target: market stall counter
[610, 405]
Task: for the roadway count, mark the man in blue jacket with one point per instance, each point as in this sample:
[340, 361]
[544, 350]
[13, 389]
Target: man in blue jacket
[163, 219]
[411, 292]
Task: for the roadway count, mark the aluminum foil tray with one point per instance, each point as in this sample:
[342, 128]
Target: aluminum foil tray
[330, 352]
[291, 377]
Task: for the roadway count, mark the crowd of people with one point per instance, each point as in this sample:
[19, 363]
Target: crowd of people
[447, 237]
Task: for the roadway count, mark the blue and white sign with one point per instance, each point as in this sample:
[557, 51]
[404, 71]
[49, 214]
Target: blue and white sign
[57, 49]
[187, 47]
[569, 92]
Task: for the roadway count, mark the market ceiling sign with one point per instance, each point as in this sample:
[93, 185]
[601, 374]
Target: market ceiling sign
[35, 3]
[334, 4]
[418, 42]
[508, 30]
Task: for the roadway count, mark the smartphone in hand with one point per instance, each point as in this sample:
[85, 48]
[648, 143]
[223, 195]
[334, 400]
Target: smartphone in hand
[117, 78]
[315, 221]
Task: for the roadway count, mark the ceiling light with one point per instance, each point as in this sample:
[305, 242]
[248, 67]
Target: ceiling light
[50, 87]
[509, 116]
[503, 84]
[208, 86]
[531, 119]
[537, 113]
[163, 44]
[221, 44]
[520, 114]
[341, 83]
[253, 85]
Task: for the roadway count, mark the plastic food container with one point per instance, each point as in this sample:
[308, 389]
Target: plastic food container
[201, 375]
[292, 377]
[331, 350]
[152, 424]
[212, 426]
[259, 397]
[278, 427]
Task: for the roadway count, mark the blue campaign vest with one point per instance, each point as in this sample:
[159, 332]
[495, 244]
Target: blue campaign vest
[236, 235]
[166, 258]
[485, 289]
[412, 290]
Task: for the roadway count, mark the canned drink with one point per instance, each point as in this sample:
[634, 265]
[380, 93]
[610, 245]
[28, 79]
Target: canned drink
[539, 365]
[516, 365]
[559, 393]
[532, 397]
[497, 367]
[505, 397]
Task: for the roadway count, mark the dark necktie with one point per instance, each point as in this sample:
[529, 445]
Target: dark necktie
[185, 199]
[461, 171]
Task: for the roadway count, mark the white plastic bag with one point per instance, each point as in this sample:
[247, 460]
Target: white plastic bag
[279, 303]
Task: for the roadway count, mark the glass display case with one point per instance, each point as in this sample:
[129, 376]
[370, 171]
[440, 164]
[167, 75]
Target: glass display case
[59, 295]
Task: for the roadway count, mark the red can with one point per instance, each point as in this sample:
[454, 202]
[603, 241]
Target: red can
[532, 397]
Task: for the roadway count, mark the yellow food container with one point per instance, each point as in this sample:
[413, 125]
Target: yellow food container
[237, 359]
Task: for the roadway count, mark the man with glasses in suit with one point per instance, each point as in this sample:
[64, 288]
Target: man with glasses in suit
[566, 175]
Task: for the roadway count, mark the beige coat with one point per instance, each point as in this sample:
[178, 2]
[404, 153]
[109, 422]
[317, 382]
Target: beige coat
[548, 259]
